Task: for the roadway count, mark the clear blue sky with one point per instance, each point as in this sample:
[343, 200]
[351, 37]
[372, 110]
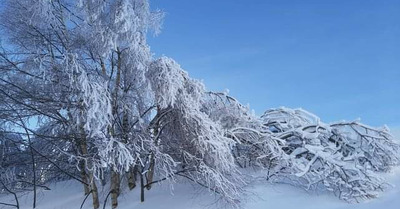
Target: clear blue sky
[337, 58]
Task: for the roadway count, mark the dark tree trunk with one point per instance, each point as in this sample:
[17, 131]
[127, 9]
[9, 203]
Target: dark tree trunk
[141, 188]
[115, 190]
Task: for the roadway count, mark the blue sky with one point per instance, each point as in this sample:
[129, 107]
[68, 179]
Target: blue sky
[339, 59]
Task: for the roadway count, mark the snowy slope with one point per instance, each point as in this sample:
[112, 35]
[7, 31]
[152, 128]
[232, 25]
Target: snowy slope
[68, 195]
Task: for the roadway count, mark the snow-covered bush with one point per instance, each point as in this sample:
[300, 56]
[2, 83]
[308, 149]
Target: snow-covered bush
[342, 157]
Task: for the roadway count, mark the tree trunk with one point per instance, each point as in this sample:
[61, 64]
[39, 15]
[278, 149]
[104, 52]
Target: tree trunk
[115, 188]
[33, 167]
[84, 177]
[89, 175]
[117, 83]
[103, 68]
[141, 188]
[131, 174]
[132, 177]
[115, 178]
[95, 193]
[150, 173]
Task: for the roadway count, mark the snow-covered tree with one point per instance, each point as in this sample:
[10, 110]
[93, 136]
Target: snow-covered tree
[83, 68]
[197, 143]
[105, 110]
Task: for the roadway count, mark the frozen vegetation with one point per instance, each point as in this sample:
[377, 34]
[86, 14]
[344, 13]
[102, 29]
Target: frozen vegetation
[88, 116]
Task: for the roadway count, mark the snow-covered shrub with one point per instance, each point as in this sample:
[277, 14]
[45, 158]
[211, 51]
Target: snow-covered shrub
[342, 157]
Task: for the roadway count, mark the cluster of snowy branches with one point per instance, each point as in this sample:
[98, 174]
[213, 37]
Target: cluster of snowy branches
[342, 157]
[81, 97]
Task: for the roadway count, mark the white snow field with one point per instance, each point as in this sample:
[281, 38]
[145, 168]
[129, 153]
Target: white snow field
[69, 195]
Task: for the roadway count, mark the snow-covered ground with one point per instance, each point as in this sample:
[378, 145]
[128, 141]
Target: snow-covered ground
[68, 195]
